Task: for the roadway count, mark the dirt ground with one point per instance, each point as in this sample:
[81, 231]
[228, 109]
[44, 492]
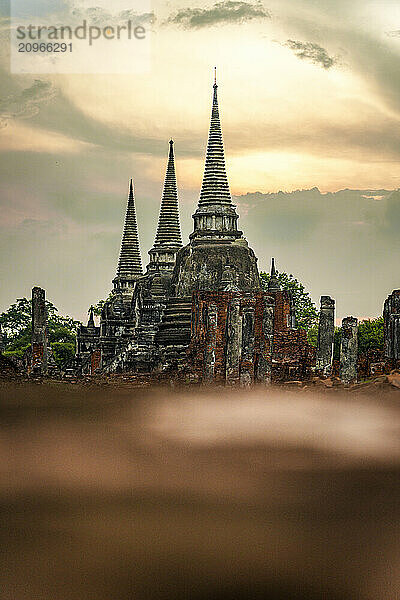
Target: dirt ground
[120, 492]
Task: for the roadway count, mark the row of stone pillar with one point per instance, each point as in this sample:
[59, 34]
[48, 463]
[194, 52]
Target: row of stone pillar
[244, 363]
[241, 363]
[348, 345]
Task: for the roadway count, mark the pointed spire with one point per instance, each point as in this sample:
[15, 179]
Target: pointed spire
[91, 317]
[273, 284]
[215, 187]
[130, 263]
[273, 270]
[169, 229]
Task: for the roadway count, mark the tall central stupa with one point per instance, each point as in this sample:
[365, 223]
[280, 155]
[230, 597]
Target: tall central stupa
[218, 256]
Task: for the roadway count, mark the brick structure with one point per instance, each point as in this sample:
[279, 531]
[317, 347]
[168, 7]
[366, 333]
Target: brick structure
[293, 357]
[235, 339]
[348, 350]
[203, 300]
[132, 314]
[117, 321]
[95, 361]
[231, 341]
[87, 342]
[210, 349]
[216, 243]
[217, 257]
[371, 364]
[263, 364]
[391, 315]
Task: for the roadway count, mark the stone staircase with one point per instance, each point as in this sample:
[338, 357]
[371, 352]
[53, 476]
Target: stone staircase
[173, 337]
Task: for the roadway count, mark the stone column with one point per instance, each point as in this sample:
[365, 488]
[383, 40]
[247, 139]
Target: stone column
[392, 338]
[348, 350]
[326, 333]
[292, 315]
[264, 367]
[391, 316]
[39, 331]
[247, 359]
[211, 342]
[395, 327]
[233, 343]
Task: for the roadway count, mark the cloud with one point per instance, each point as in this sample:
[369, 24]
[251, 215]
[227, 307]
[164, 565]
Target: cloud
[372, 137]
[311, 52]
[100, 17]
[39, 8]
[319, 238]
[26, 103]
[392, 216]
[20, 138]
[139, 18]
[63, 116]
[369, 53]
[84, 195]
[229, 11]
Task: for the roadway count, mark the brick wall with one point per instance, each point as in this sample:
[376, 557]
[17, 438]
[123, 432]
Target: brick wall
[293, 357]
[95, 361]
[283, 310]
[212, 352]
[37, 356]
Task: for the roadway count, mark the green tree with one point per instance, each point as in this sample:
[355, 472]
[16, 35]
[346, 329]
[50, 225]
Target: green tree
[63, 352]
[370, 335]
[337, 340]
[16, 325]
[312, 335]
[97, 308]
[306, 312]
[16, 319]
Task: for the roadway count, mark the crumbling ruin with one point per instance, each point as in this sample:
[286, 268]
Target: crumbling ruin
[326, 333]
[87, 348]
[199, 309]
[39, 347]
[391, 314]
[39, 360]
[232, 337]
[349, 350]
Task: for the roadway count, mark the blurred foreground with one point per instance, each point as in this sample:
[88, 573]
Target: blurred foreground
[131, 493]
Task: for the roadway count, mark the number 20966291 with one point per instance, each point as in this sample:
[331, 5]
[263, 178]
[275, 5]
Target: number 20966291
[44, 47]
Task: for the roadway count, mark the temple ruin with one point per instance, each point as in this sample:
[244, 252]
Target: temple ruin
[199, 310]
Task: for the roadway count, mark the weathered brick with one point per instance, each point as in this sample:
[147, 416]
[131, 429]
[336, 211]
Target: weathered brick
[248, 346]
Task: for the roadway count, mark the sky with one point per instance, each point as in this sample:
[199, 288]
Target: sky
[309, 94]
